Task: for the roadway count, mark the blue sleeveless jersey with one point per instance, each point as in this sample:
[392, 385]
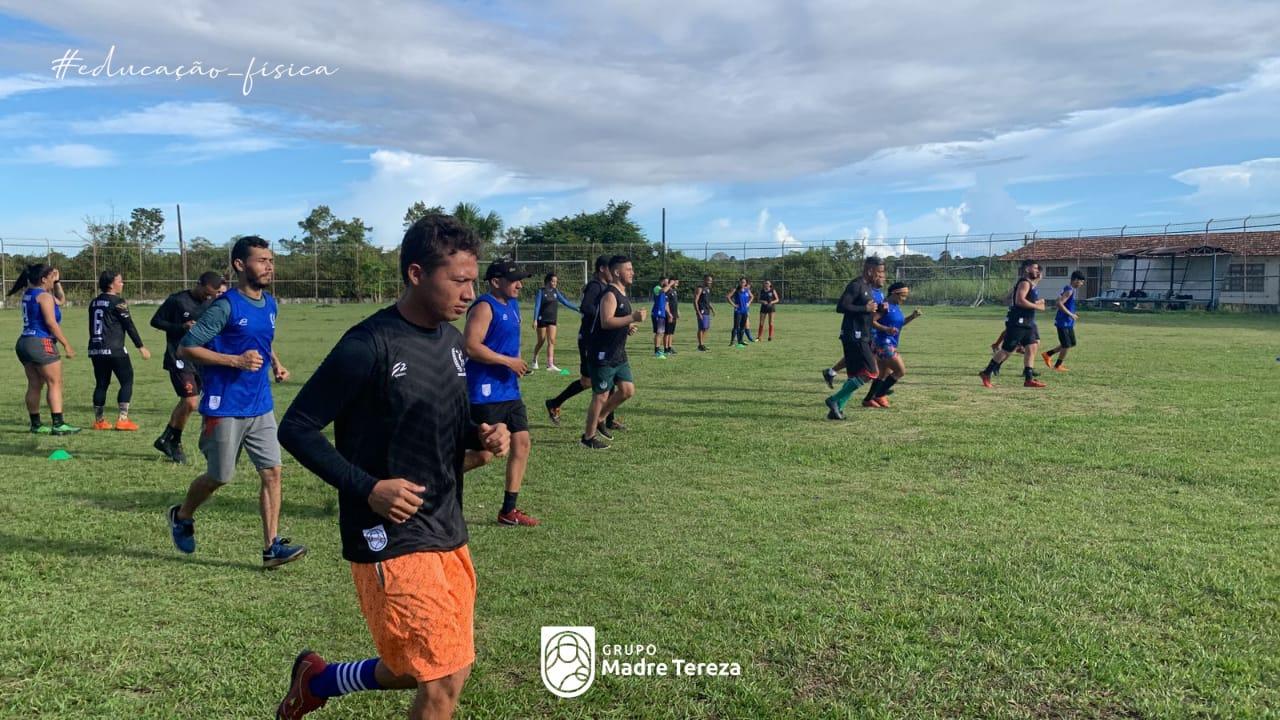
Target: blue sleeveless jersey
[893, 318]
[229, 392]
[741, 307]
[660, 300]
[1062, 319]
[33, 324]
[496, 383]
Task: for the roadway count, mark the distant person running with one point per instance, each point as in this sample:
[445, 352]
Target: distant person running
[858, 305]
[109, 321]
[494, 369]
[704, 310]
[590, 296]
[175, 316]
[546, 310]
[232, 342]
[395, 390]
[886, 338]
[673, 314]
[1020, 326]
[659, 315]
[609, 367]
[740, 298]
[1065, 322]
[42, 298]
[769, 298]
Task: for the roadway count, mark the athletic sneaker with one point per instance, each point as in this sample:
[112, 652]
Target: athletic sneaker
[829, 376]
[670, 351]
[594, 443]
[740, 345]
[126, 424]
[183, 531]
[299, 701]
[535, 365]
[659, 356]
[101, 424]
[703, 348]
[882, 401]
[1032, 382]
[281, 552]
[871, 404]
[553, 413]
[833, 410]
[515, 517]
[1045, 357]
[986, 380]
[614, 424]
[602, 430]
[41, 430]
[176, 454]
[1060, 368]
[552, 368]
[64, 429]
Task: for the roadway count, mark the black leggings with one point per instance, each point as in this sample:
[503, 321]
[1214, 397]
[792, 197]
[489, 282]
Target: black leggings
[103, 367]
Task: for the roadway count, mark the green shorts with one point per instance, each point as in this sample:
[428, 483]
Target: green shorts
[604, 377]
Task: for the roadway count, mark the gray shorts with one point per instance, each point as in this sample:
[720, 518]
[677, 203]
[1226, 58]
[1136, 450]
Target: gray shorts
[222, 438]
[36, 351]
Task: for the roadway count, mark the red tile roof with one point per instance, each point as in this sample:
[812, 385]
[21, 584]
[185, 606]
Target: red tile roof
[1265, 242]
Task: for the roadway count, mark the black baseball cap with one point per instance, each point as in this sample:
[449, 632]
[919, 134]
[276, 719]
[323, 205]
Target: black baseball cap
[506, 270]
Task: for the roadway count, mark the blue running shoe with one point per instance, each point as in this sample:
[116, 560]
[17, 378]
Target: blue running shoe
[281, 552]
[183, 531]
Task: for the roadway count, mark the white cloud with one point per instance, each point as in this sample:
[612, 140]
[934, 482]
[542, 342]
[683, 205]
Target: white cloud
[723, 223]
[762, 220]
[783, 236]
[17, 84]
[1245, 188]
[70, 155]
[195, 119]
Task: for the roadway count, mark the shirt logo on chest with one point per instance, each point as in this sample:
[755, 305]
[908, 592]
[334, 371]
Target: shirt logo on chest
[459, 362]
[244, 322]
[399, 370]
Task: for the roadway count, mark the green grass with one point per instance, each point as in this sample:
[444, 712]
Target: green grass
[1106, 547]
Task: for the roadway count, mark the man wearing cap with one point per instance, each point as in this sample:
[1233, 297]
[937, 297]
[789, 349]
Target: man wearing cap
[494, 369]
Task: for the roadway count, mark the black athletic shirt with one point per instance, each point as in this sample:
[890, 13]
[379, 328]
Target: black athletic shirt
[108, 322]
[171, 317]
[1020, 315]
[704, 301]
[396, 394]
[768, 297]
[672, 303]
[609, 346]
[590, 302]
[856, 324]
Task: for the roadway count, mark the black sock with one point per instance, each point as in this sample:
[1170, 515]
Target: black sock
[1051, 353]
[1026, 373]
[509, 501]
[1058, 363]
[574, 388]
[57, 419]
[173, 434]
[992, 367]
[887, 385]
[608, 421]
[35, 419]
[874, 392]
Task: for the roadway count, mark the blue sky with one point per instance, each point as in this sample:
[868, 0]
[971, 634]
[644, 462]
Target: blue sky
[768, 124]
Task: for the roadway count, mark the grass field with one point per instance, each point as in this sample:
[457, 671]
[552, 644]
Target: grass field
[1106, 547]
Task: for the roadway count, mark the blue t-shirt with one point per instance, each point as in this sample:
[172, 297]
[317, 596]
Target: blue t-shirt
[1062, 319]
[33, 324]
[660, 301]
[496, 383]
[742, 297]
[893, 318]
[230, 392]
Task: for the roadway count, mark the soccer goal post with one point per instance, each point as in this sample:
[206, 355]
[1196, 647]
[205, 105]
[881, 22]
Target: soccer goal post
[944, 284]
[572, 274]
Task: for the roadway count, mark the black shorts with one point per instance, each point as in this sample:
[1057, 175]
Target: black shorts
[511, 412]
[584, 362]
[858, 357]
[767, 309]
[1015, 335]
[186, 383]
[546, 323]
[1067, 337]
[671, 327]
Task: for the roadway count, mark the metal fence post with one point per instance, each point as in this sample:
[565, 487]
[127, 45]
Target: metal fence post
[315, 270]
[4, 278]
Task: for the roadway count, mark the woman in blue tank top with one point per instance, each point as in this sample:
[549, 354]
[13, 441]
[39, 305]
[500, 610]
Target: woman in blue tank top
[42, 298]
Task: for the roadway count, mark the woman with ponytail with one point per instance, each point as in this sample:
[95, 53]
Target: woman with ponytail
[42, 298]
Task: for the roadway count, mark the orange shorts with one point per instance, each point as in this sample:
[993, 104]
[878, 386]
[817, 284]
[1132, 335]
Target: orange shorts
[420, 609]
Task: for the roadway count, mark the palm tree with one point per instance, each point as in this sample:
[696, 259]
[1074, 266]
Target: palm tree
[488, 227]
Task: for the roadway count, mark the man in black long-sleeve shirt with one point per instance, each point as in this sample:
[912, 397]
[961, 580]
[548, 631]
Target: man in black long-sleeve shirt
[858, 305]
[175, 316]
[395, 389]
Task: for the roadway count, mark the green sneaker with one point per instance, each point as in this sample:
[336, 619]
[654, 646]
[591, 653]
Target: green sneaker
[41, 430]
[64, 429]
[741, 345]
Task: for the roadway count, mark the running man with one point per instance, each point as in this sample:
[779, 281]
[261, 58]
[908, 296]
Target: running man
[740, 298]
[614, 319]
[546, 310]
[1020, 326]
[1065, 322]
[395, 390]
[175, 316]
[590, 296]
[886, 336]
[109, 321]
[232, 343]
[42, 299]
[829, 374]
[659, 313]
[858, 305]
[673, 314]
[494, 369]
[768, 306]
[704, 310]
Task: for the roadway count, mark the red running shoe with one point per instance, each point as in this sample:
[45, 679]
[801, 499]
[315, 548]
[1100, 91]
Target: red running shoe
[882, 401]
[1032, 382]
[986, 380]
[871, 404]
[515, 517]
[299, 701]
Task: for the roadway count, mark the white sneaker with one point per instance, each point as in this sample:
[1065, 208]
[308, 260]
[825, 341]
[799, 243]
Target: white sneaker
[553, 368]
[535, 364]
